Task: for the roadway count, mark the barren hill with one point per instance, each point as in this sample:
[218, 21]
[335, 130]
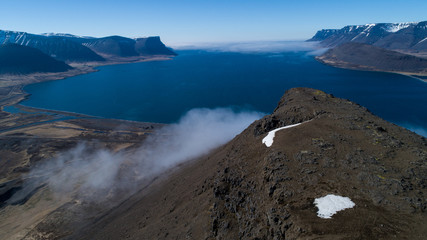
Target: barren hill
[246, 190]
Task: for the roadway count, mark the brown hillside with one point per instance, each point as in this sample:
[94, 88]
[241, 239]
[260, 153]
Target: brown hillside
[245, 190]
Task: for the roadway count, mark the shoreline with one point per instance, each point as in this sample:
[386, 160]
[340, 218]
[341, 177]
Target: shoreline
[12, 86]
[26, 117]
[345, 65]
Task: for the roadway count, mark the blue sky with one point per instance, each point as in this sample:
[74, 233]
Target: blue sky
[192, 21]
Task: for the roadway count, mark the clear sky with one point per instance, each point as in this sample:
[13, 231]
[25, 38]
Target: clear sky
[192, 21]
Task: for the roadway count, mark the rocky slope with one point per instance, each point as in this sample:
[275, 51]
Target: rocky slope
[242, 190]
[368, 57]
[409, 37]
[245, 190]
[17, 59]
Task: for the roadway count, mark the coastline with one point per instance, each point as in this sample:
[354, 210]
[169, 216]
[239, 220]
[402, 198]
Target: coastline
[11, 86]
[25, 117]
[421, 76]
[31, 136]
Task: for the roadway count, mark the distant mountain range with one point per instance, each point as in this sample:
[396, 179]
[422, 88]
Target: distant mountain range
[409, 37]
[71, 48]
[17, 59]
[377, 47]
[117, 46]
[60, 47]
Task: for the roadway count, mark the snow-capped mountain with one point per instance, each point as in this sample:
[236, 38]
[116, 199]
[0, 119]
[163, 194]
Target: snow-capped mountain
[72, 48]
[397, 36]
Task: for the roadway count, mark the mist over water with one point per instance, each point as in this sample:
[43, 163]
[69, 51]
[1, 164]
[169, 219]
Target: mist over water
[85, 171]
[312, 48]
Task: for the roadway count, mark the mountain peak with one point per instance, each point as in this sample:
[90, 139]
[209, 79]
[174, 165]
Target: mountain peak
[247, 190]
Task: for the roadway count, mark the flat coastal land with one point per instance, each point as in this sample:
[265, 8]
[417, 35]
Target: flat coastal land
[346, 65]
[11, 85]
[365, 57]
[12, 93]
[26, 121]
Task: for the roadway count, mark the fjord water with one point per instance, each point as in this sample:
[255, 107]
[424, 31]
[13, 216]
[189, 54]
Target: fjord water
[162, 91]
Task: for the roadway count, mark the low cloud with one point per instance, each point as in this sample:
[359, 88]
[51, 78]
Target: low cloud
[257, 47]
[85, 170]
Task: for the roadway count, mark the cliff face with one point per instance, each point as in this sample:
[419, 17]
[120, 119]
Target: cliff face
[152, 46]
[246, 190]
[396, 36]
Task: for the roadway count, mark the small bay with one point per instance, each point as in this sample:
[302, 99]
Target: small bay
[162, 91]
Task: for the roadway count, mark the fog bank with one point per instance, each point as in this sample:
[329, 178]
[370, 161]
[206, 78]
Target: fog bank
[85, 170]
[258, 47]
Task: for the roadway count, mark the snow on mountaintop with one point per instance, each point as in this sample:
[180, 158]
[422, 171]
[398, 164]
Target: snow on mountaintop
[389, 27]
[62, 35]
[268, 140]
[395, 27]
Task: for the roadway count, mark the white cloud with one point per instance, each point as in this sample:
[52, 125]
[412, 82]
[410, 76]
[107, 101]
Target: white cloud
[86, 171]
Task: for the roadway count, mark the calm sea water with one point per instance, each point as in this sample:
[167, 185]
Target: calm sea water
[163, 91]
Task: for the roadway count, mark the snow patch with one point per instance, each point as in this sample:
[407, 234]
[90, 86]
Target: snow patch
[268, 140]
[422, 40]
[395, 27]
[331, 204]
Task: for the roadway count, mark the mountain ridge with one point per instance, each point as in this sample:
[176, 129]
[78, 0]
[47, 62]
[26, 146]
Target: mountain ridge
[18, 59]
[61, 48]
[411, 37]
[72, 48]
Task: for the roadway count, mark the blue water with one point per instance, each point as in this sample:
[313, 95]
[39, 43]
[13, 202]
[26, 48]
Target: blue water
[162, 91]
